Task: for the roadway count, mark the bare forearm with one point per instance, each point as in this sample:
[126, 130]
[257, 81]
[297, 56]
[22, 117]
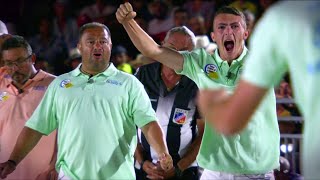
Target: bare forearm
[193, 149]
[154, 136]
[143, 42]
[27, 140]
[138, 154]
[148, 47]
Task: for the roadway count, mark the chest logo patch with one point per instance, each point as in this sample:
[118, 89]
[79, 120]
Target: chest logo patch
[66, 83]
[3, 96]
[180, 116]
[212, 71]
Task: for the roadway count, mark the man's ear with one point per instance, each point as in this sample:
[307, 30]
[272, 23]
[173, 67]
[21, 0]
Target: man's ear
[79, 47]
[246, 34]
[33, 58]
[212, 36]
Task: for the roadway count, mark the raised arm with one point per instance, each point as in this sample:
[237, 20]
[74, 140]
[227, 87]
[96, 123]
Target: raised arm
[27, 140]
[154, 136]
[144, 43]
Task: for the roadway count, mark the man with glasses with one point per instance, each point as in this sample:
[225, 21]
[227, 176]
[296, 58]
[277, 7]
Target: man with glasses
[21, 89]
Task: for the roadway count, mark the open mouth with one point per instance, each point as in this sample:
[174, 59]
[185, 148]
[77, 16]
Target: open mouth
[97, 55]
[229, 45]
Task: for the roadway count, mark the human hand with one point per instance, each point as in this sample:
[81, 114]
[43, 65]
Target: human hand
[125, 13]
[166, 162]
[167, 174]
[6, 168]
[152, 170]
[4, 70]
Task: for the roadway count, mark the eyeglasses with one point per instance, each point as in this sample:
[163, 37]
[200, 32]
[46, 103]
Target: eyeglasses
[17, 63]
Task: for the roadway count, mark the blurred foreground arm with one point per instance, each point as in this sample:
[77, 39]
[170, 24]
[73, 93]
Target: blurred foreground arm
[229, 114]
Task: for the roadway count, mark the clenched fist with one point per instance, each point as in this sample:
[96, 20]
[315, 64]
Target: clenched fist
[125, 13]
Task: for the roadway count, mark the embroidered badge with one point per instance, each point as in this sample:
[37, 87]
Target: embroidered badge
[180, 116]
[3, 96]
[66, 83]
[211, 71]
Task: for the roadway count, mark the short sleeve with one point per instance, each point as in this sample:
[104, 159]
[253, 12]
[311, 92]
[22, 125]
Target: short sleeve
[140, 105]
[44, 119]
[265, 64]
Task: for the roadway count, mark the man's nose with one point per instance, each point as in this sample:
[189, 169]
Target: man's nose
[228, 30]
[97, 44]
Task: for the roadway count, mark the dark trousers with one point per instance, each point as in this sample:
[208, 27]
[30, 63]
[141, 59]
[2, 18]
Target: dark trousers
[191, 173]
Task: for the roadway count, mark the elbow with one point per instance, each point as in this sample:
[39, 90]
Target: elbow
[152, 52]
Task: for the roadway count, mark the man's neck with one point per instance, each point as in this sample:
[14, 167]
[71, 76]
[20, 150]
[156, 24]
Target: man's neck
[169, 77]
[91, 73]
[231, 58]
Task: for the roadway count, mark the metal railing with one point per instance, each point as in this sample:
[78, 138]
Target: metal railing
[290, 143]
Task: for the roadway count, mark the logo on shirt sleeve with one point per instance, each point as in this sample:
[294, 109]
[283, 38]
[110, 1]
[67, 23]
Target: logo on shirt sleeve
[66, 83]
[180, 116]
[4, 96]
[212, 71]
[39, 88]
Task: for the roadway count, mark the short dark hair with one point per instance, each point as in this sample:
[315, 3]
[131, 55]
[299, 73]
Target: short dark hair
[93, 25]
[16, 41]
[181, 10]
[230, 10]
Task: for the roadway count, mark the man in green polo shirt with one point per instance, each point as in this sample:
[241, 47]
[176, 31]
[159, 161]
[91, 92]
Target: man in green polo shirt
[253, 152]
[95, 109]
[286, 39]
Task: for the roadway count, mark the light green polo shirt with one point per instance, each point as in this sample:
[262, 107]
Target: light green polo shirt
[288, 39]
[96, 121]
[256, 149]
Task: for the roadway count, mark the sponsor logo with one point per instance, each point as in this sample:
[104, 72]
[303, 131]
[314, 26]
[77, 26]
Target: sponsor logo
[212, 71]
[114, 82]
[66, 83]
[3, 96]
[39, 88]
[180, 116]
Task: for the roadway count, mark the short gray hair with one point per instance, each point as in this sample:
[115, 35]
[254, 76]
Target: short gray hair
[182, 30]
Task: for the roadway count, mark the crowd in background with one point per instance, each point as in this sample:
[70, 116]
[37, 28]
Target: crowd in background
[52, 26]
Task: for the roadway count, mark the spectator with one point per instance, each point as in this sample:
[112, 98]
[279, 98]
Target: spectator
[49, 46]
[21, 89]
[173, 98]
[120, 59]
